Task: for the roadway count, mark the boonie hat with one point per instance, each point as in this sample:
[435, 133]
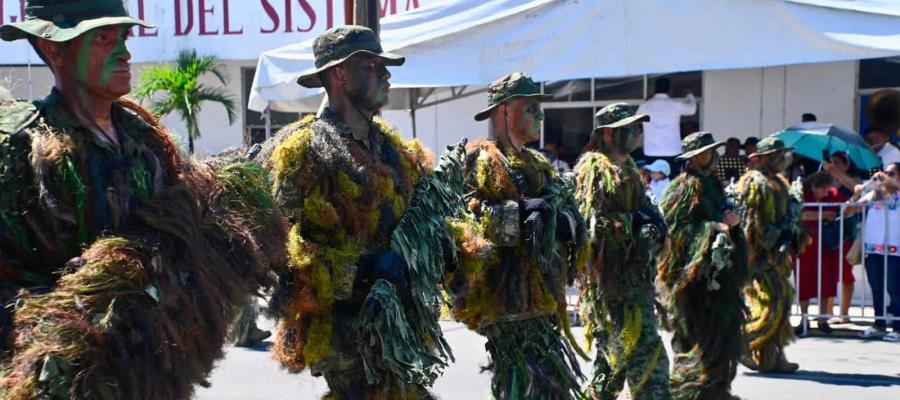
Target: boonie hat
[338, 44]
[617, 115]
[697, 143]
[769, 145]
[64, 20]
[510, 86]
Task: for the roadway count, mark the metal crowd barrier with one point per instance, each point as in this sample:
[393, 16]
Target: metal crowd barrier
[847, 209]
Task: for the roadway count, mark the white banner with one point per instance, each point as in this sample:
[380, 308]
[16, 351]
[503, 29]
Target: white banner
[229, 29]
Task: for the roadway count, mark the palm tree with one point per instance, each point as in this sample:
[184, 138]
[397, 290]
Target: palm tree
[185, 92]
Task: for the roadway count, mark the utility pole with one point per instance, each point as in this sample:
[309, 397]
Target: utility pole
[366, 13]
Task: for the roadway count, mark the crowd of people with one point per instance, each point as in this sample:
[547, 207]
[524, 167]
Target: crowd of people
[124, 264]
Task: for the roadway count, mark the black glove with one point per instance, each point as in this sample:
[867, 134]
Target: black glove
[388, 265]
[647, 215]
[529, 206]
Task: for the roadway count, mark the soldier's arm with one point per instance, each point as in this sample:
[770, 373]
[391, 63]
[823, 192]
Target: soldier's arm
[15, 186]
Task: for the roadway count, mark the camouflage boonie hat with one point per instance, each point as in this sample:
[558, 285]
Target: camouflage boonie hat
[769, 145]
[64, 20]
[617, 115]
[511, 86]
[338, 44]
[697, 143]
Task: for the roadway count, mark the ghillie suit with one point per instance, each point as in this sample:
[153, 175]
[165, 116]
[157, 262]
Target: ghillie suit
[702, 273]
[617, 281]
[131, 260]
[771, 210]
[514, 266]
[366, 253]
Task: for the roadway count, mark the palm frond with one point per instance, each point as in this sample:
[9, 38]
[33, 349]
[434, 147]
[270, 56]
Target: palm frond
[218, 95]
[183, 91]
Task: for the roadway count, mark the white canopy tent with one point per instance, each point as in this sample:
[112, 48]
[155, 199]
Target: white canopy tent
[472, 42]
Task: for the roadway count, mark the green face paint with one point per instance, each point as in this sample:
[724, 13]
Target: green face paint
[99, 58]
[368, 84]
[627, 139]
[529, 119]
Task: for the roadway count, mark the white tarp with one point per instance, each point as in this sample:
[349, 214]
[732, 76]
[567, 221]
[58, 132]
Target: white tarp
[472, 42]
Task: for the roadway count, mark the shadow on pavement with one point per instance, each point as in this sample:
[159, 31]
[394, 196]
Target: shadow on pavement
[261, 346]
[861, 380]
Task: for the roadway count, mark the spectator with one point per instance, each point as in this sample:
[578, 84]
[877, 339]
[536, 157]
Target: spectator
[750, 145]
[659, 178]
[731, 165]
[846, 179]
[877, 254]
[808, 117]
[750, 148]
[662, 134]
[879, 142]
[820, 188]
[551, 150]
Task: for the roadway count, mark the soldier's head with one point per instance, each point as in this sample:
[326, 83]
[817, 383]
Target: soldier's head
[350, 63]
[700, 151]
[618, 129]
[514, 108]
[771, 155]
[82, 41]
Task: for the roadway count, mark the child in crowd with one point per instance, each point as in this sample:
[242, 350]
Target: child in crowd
[659, 172]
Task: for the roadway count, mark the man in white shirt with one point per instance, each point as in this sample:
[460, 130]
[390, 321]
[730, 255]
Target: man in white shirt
[879, 142]
[662, 134]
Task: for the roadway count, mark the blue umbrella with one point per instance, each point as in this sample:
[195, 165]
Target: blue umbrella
[810, 139]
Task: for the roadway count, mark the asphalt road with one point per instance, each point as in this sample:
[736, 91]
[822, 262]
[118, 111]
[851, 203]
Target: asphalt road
[843, 368]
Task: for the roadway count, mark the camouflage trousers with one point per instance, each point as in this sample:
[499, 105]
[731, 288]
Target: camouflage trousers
[531, 360]
[769, 328]
[350, 384]
[628, 348]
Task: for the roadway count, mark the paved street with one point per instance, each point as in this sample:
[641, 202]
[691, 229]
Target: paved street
[842, 368]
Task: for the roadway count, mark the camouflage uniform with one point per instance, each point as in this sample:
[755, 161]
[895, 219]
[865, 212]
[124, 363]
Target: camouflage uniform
[515, 262]
[771, 211]
[355, 305]
[131, 259]
[624, 230]
[702, 272]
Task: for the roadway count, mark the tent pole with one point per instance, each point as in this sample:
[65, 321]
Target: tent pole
[268, 118]
[413, 100]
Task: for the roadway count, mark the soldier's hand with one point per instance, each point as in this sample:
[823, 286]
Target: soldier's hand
[731, 218]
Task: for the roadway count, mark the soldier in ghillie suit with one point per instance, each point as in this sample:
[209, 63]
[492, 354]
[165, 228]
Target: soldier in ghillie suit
[516, 261]
[702, 273]
[365, 256]
[771, 210]
[625, 229]
[121, 263]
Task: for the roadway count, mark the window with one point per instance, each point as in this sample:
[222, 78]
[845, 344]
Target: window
[631, 87]
[682, 83]
[569, 116]
[573, 90]
[254, 122]
[879, 73]
[570, 129]
[874, 75]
